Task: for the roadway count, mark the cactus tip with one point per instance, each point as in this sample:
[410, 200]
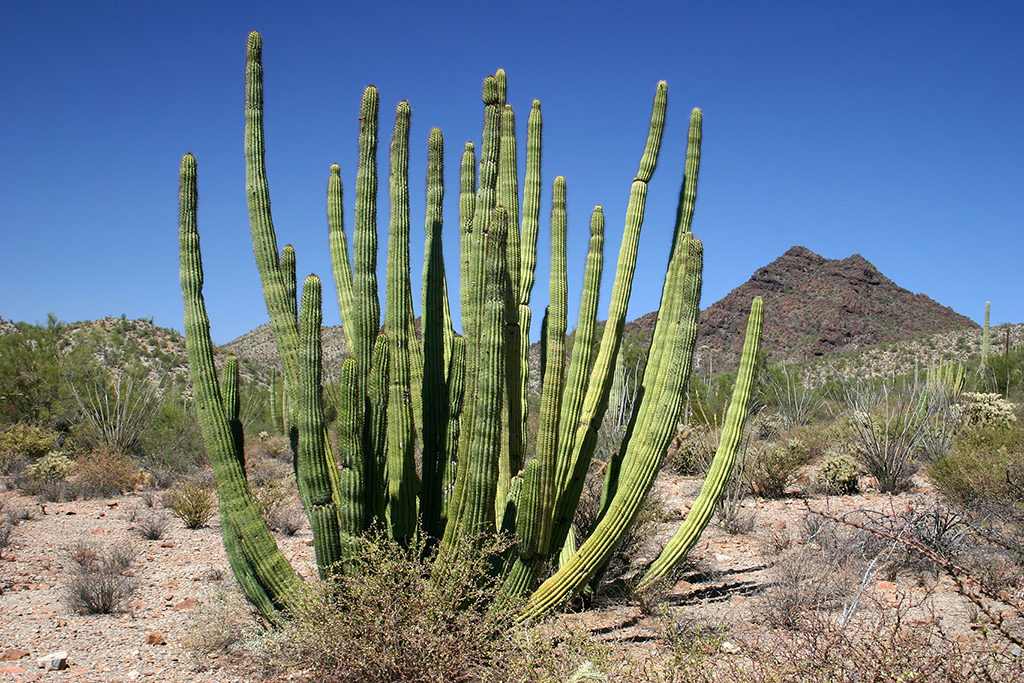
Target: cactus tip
[335, 169]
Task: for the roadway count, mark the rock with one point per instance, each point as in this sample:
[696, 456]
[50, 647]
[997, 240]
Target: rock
[886, 586]
[155, 638]
[12, 653]
[185, 605]
[11, 669]
[55, 661]
[729, 648]
[166, 544]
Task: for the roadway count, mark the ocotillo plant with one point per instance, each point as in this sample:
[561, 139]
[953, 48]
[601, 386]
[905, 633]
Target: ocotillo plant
[459, 400]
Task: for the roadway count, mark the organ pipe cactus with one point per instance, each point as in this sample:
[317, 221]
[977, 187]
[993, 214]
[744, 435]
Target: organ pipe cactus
[458, 401]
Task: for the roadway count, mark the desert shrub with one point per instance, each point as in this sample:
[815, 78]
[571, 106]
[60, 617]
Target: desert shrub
[172, 446]
[45, 473]
[817, 438]
[24, 440]
[795, 401]
[218, 627]
[838, 473]
[271, 446]
[392, 616]
[150, 525]
[103, 473]
[985, 410]
[191, 503]
[731, 516]
[6, 536]
[882, 428]
[981, 467]
[692, 450]
[773, 467]
[115, 409]
[30, 371]
[100, 581]
[286, 519]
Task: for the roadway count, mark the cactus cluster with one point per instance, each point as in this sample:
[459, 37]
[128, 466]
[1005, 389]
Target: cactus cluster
[458, 401]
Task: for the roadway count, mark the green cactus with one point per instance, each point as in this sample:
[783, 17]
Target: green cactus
[461, 400]
[985, 334]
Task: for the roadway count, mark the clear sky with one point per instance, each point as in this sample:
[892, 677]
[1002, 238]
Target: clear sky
[890, 129]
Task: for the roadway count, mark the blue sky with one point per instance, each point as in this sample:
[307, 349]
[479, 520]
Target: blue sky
[893, 130]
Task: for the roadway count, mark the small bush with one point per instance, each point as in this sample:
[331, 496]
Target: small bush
[104, 473]
[980, 468]
[392, 616]
[101, 581]
[192, 504]
[691, 452]
[985, 410]
[6, 536]
[152, 526]
[42, 475]
[838, 474]
[25, 440]
[774, 466]
[286, 519]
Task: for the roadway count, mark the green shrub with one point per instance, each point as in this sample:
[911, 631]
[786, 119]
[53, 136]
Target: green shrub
[774, 466]
[692, 451]
[985, 410]
[392, 616]
[104, 472]
[22, 440]
[981, 467]
[838, 473]
[192, 503]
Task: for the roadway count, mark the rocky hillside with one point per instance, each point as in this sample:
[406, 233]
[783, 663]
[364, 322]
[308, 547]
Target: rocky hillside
[816, 306]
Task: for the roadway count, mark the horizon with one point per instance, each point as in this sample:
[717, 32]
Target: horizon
[889, 132]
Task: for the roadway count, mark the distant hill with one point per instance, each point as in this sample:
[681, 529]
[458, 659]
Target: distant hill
[816, 306]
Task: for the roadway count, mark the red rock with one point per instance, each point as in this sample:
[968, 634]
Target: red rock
[112, 504]
[11, 669]
[155, 638]
[886, 586]
[13, 653]
[185, 605]
[166, 544]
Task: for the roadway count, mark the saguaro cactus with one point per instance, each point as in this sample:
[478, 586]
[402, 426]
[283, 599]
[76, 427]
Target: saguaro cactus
[460, 400]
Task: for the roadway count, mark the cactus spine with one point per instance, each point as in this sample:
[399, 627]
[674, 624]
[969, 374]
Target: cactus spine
[461, 398]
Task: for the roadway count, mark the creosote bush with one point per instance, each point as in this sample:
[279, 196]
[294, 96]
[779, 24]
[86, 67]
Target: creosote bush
[192, 503]
[394, 613]
[101, 580]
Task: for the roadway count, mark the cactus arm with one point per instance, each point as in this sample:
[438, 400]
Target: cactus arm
[278, 294]
[402, 483]
[375, 430]
[312, 461]
[435, 325]
[263, 571]
[531, 205]
[473, 287]
[467, 204]
[456, 378]
[725, 457]
[365, 302]
[476, 517]
[582, 350]
[351, 476]
[338, 241]
[659, 410]
[290, 282]
[599, 385]
[511, 460]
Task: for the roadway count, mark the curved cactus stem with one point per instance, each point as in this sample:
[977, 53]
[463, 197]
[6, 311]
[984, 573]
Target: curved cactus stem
[476, 517]
[718, 474]
[436, 340]
[402, 479]
[315, 464]
[352, 475]
[375, 425]
[456, 386]
[262, 570]
[278, 291]
[658, 413]
[338, 241]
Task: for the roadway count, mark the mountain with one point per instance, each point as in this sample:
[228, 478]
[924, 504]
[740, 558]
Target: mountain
[814, 306]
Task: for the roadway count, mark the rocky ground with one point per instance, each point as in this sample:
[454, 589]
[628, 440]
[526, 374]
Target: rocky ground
[185, 599]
